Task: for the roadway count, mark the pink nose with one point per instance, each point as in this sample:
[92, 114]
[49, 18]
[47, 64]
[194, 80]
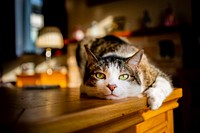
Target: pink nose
[112, 87]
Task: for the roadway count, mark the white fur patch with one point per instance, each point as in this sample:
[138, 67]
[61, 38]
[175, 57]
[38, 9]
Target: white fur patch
[158, 92]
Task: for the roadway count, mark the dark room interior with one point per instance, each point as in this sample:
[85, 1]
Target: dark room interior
[174, 48]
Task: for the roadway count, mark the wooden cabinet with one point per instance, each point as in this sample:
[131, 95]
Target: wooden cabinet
[160, 121]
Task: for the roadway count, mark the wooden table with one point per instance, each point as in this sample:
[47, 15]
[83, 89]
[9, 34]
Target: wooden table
[65, 110]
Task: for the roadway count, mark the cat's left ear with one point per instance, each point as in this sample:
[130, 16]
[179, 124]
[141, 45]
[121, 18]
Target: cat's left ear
[135, 59]
[91, 57]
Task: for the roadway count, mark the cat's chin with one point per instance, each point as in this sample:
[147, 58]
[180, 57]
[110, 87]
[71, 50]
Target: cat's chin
[111, 96]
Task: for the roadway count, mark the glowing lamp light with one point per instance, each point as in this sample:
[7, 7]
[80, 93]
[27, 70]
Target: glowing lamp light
[49, 37]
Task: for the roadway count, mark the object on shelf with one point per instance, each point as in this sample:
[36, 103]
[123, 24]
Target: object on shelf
[146, 20]
[169, 16]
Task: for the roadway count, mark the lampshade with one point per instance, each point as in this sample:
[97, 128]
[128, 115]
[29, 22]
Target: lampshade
[50, 37]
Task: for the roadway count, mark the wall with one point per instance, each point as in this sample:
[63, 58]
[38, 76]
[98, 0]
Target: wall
[55, 15]
[81, 14]
[7, 31]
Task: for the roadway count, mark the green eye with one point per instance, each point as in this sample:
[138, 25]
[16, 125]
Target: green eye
[100, 75]
[123, 76]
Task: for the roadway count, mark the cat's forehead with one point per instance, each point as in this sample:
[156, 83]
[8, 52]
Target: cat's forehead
[112, 62]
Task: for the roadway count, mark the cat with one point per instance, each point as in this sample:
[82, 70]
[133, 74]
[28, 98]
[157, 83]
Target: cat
[113, 68]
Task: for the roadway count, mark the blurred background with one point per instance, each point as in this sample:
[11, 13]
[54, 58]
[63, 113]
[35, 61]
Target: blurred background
[168, 30]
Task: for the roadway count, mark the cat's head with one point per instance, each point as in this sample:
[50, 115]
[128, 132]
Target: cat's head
[112, 77]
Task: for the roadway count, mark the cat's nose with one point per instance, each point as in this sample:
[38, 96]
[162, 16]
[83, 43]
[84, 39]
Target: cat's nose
[112, 87]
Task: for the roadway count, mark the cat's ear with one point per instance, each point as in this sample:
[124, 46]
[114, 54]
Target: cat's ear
[135, 59]
[91, 57]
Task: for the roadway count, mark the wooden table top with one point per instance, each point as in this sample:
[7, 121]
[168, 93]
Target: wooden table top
[34, 107]
[62, 110]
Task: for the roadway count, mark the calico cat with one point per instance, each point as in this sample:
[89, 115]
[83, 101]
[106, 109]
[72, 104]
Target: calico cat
[112, 68]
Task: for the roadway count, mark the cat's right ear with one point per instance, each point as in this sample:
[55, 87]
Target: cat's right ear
[91, 57]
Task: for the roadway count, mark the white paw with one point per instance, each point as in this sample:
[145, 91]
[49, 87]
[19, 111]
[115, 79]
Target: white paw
[155, 98]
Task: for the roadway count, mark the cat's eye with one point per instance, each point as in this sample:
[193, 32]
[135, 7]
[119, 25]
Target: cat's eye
[100, 75]
[123, 76]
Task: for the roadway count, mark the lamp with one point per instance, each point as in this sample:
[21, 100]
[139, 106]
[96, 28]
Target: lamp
[49, 37]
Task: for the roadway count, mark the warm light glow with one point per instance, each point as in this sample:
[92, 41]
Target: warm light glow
[79, 34]
[50, 37]
[49, 71]
[48, 53]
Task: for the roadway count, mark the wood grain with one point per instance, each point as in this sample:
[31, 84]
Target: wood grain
[65, 110]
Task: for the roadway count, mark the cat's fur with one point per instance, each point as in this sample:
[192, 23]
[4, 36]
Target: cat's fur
[112, 68]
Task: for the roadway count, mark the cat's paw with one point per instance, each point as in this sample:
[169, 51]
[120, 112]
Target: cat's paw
[155, 98]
